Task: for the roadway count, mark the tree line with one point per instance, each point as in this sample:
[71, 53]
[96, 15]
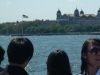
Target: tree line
[33, 27]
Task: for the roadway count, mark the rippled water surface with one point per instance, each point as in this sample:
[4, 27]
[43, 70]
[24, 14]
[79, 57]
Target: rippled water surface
[43, 45]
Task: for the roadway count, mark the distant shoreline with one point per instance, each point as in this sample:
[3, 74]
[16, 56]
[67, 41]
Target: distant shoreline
[69, 33]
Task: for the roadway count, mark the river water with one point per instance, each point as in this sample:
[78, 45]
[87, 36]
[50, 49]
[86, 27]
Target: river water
[43, 45]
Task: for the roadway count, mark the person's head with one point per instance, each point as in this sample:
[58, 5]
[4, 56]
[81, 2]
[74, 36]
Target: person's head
[90, 54]
[19, 50]
[2, 52]
[58, 63]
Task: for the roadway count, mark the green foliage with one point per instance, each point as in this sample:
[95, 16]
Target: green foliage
[33, 27]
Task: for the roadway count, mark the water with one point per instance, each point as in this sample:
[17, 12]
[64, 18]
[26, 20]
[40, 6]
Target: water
[43, 45]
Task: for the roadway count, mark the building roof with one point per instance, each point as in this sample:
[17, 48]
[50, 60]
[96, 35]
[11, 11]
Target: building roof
[76, 10]
[58, 11]
[72, 15]
[81, 12]
[87, 15]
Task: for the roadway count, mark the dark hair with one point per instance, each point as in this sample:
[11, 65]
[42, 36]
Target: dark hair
[2, 52]
[19, 50]
[58, 63]
[94, 41]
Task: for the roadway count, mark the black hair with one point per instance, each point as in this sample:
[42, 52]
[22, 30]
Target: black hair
[58, 63]
[19, 50]
[94, 41]
[2, 52]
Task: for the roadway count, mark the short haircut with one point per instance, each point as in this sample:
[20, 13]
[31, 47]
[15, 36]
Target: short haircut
[19, 50]
[2, 52]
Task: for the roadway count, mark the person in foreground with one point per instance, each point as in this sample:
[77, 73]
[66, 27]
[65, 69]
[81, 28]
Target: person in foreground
[90, 57]
[2, 52]
[19, 51]
[58, 63]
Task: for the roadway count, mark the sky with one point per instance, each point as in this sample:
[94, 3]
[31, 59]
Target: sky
[12, 10]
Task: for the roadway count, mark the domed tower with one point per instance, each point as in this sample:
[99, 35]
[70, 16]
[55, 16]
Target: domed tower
[76, 13]
[98, 14]
[58, 14]
[81, 12]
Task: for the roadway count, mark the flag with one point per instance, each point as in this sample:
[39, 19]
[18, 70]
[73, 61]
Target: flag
[24, 16]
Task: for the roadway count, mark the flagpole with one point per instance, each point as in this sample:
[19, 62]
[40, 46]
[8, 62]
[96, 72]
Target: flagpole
[23, 16]
[22, 24]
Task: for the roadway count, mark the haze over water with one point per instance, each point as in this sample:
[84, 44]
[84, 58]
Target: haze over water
[43, 45]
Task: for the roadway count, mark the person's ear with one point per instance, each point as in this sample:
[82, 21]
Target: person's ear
[28, 59]
[84, 55]
[25, 63]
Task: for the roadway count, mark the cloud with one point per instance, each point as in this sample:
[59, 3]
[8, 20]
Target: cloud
[6, 3]
[76, 1]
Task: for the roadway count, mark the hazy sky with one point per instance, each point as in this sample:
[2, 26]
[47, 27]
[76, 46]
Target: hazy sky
[12, 10]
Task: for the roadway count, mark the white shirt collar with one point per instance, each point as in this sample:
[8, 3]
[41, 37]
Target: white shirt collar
[98, 72]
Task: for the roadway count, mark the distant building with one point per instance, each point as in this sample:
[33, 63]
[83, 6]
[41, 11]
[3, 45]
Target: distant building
[75, 18]
[78, 18]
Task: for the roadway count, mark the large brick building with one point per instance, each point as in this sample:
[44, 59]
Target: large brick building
[78, 18]
[75, 18]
